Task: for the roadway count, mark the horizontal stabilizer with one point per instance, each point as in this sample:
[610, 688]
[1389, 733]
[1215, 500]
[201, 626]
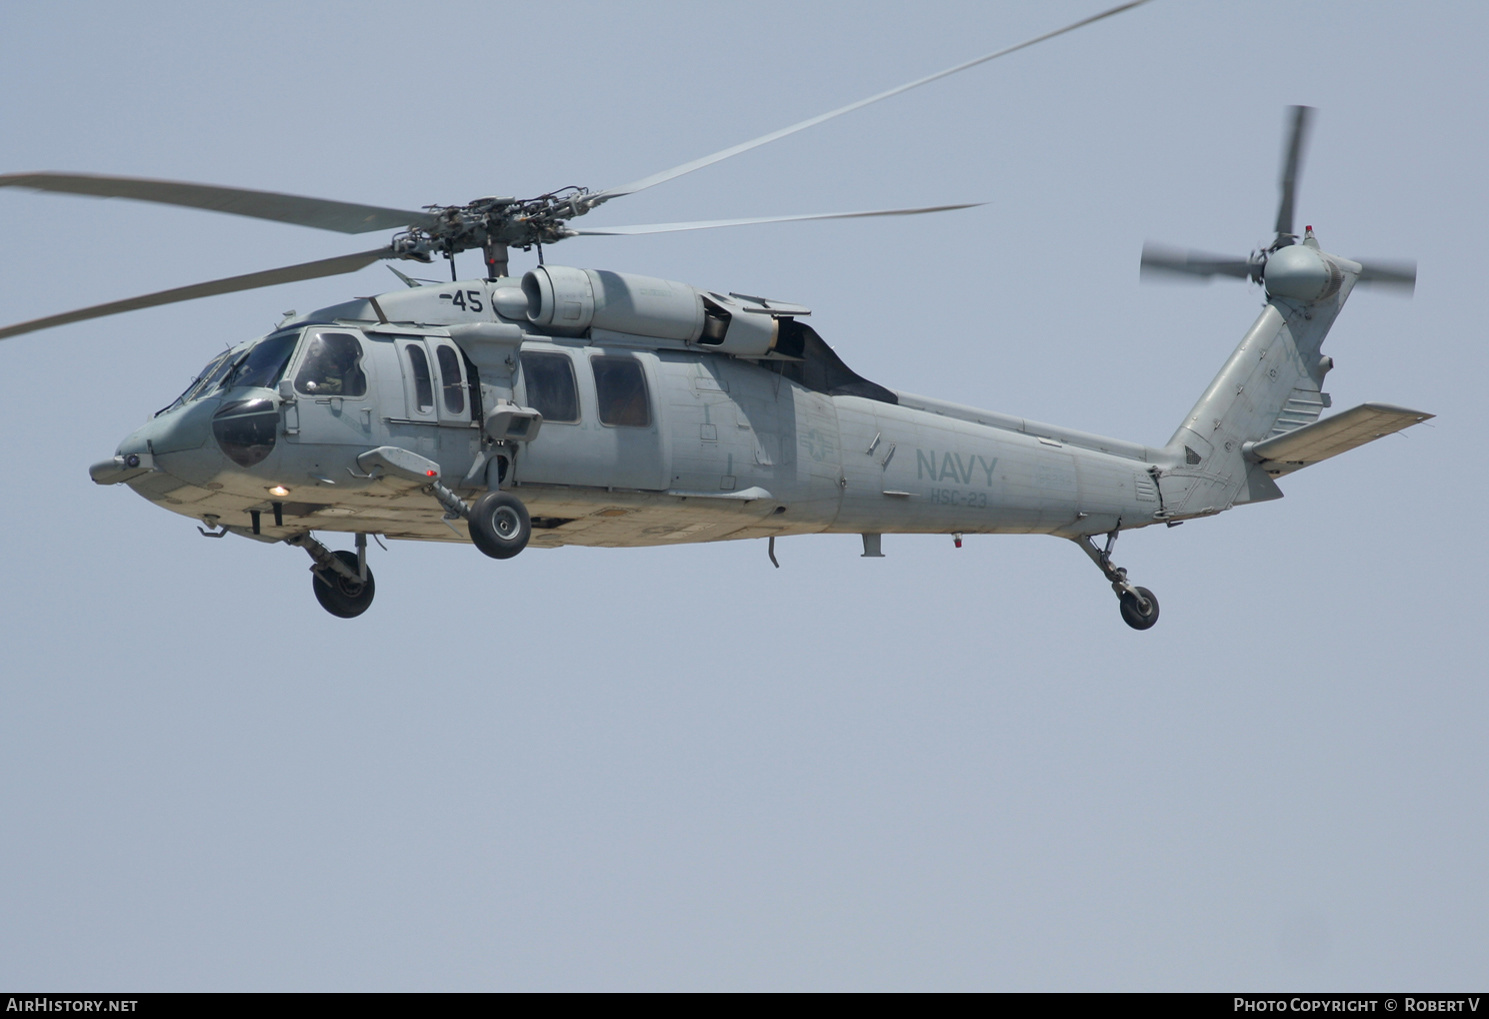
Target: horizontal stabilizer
[1340, 433]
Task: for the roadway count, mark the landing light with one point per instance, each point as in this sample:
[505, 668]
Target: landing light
[280, 491]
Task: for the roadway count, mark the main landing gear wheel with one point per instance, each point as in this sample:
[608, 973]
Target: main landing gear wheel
[342, 596]
[1133, 613]
[499, 525]
[1139, 606]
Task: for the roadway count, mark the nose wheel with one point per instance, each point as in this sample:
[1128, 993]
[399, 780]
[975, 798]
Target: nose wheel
[1138, 605]
[1139, 608]
[340, 595]
[341, 580]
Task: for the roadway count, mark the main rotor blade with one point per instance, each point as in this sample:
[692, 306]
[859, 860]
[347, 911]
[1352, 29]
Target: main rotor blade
[232, 284]
[321, 213]
[709, 224]
[1158, 259]
[1390, 274]
[734, 150]
[1292, 165]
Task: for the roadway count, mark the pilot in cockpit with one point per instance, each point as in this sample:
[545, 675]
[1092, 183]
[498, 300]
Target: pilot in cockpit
[330, 367]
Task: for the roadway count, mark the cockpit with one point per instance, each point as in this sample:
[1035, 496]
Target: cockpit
[255, 364]
[332, 366]
[320, 384]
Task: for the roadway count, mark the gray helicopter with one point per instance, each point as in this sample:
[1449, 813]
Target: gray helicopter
[592, 407]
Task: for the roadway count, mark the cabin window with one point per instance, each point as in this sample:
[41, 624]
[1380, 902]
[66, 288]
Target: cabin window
[264, 364]
[451, 382]
[418, 363]
[549, 380]
[620, 388]
[332, 367]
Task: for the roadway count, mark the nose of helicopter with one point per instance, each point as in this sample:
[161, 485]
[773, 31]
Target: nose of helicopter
[173, 439]
[176, 430]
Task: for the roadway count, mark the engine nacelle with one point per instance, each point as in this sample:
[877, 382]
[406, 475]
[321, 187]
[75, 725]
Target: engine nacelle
[1301, 273]
[569, 302]
[739, 327]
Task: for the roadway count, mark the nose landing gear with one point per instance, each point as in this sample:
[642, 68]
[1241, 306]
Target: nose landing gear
[341, 596]
[1138, 605]
[342, 582]
[1139, 608]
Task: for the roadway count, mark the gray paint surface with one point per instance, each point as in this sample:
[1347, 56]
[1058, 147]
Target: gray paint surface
[813, 454]
[681, 767]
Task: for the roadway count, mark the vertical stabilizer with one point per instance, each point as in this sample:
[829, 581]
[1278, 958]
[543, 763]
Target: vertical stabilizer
[1272, 384]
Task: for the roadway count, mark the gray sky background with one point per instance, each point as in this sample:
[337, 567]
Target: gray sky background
[681, 768]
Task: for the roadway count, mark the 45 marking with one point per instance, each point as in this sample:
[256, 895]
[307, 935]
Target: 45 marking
[465, 300]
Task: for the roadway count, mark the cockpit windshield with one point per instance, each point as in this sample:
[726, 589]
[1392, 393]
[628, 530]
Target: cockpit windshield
[205, 382]
[264, 363]
[211, 375]
[260, 365]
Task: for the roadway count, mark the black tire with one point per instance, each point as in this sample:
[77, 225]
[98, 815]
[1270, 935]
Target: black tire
[499, 525]
[340, 596]
[1132, 613]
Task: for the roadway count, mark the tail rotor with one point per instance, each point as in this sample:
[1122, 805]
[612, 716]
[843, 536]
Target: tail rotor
[1163, 261]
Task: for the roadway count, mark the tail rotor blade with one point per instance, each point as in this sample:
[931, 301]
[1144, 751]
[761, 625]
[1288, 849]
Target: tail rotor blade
[1162, 261]
[1390, 274]
[1292, 165]
[232, 284]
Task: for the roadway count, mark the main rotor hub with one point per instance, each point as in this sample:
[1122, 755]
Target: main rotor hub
[518, 222]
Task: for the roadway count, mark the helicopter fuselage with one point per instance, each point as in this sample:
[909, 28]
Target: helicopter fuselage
[642, 441]
[583, 407]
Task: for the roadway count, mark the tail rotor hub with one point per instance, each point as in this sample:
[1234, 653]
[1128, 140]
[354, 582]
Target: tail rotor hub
[1292, 267]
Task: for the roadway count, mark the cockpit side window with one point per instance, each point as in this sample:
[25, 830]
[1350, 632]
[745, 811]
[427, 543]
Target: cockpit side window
[264, 364]
[332, 367]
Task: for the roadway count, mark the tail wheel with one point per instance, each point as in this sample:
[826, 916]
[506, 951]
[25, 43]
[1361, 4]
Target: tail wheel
[499, 525]
[1133, 613]
[340, 595]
